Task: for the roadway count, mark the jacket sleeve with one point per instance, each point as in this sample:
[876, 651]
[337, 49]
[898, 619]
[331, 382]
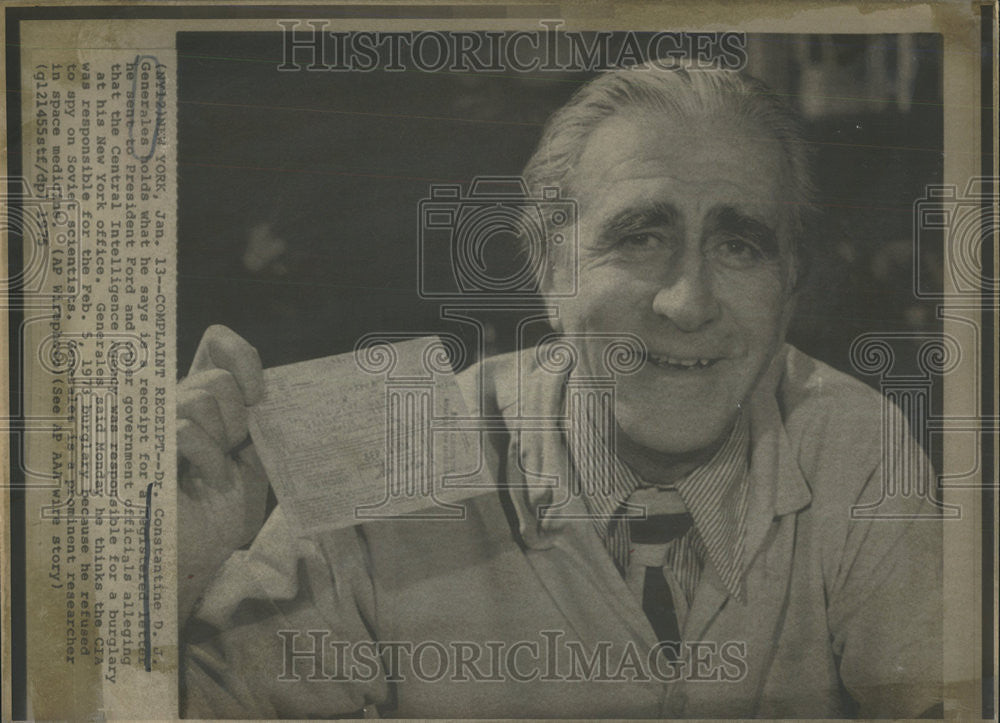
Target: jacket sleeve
[285, 631]
[884, 605]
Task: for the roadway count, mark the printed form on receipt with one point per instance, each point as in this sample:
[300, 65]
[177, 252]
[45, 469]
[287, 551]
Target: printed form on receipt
[382, 433]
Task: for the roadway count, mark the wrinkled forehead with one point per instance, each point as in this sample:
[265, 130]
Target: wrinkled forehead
[696, 164]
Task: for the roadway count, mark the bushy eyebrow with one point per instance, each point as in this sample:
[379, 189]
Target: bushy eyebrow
[727, 219]
[634, 218]
[721, 219]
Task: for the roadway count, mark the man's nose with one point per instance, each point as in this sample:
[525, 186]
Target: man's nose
[686, 296]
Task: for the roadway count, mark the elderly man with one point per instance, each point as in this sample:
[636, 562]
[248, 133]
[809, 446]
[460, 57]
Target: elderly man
[747, 590]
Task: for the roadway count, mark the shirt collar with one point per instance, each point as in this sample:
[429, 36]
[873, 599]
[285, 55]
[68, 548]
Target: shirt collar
[716, 495]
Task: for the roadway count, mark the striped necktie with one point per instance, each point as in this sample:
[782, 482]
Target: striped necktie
[657, 600]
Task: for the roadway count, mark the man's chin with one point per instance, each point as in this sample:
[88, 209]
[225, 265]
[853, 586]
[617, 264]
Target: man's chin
[677, 433]
[678, 443]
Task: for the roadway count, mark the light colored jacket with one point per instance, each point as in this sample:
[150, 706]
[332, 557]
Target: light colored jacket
[841, 617]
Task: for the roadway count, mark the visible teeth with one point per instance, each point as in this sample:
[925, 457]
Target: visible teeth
[682, 363]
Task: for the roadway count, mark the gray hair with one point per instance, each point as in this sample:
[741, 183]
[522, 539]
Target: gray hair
[685, 93]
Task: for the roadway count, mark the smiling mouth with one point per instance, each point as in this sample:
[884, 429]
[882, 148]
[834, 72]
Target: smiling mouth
[681, 363]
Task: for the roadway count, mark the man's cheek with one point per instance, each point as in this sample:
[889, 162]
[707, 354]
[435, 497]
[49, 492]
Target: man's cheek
[599, 312]
[762, 305]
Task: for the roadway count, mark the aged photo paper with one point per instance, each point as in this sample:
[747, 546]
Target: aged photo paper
[479, 360]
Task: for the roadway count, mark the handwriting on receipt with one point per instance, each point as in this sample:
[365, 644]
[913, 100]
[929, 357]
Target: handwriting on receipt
[342, 445]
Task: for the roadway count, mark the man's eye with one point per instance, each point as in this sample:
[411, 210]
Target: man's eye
[640, 241]
[737, 252]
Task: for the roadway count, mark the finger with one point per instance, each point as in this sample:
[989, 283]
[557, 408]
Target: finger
[223, 348]
[197, 447]
[222, 387]
[235, 452]
[250, 464]
[199, 406]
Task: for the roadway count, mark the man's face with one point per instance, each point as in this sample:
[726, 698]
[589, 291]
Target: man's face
[683, 242]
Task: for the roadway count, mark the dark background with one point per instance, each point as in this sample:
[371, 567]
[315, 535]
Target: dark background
[335, 164]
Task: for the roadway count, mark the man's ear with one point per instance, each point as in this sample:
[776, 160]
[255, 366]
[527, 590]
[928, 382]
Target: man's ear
[798, 267]
[552, 312]
[793, 285]
[545, 285]
[788, 312]
[554, 321]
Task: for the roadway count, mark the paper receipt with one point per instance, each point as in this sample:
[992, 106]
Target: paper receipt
[346, 442]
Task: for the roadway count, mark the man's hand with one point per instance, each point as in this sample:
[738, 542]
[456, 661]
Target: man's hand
[222, 494]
